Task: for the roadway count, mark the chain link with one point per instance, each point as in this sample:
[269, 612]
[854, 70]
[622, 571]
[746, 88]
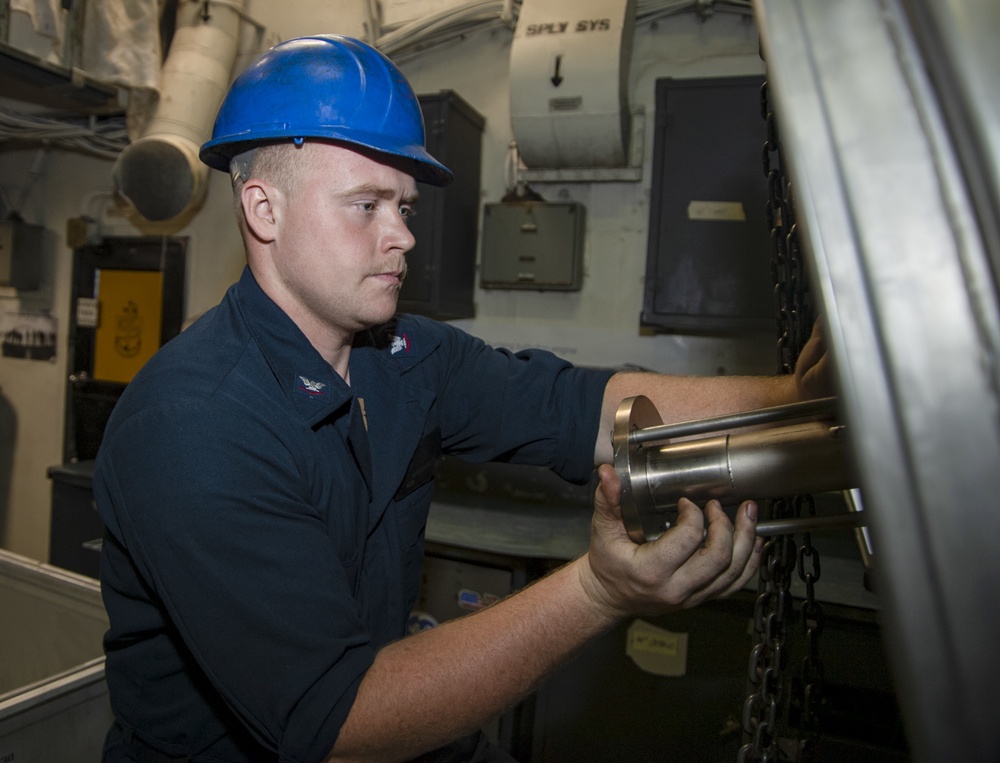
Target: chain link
[765, 707]
[769, 702]
[811, 697]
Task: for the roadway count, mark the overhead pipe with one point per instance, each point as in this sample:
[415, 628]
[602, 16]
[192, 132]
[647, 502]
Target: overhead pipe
[160, 175]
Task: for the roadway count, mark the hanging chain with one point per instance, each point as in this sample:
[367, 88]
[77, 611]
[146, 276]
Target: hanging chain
[811, 696]
[792, 307]
[765, 706]
[770, 705]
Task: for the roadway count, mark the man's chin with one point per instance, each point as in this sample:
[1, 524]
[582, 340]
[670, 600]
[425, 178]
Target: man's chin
[381, 316]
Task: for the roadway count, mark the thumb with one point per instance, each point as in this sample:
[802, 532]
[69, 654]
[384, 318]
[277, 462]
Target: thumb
[608, 496]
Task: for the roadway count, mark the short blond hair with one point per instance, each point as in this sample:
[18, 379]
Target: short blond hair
[277, 163]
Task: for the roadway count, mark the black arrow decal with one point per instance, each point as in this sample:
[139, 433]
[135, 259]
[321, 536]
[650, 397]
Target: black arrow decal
[556, 77]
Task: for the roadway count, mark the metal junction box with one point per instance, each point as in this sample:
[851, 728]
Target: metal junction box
[533, 245]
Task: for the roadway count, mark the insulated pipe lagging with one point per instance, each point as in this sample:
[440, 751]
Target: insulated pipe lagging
[160, 174]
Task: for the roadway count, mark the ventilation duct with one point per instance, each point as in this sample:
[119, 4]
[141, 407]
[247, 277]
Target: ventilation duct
[160, 175]
[569, 65]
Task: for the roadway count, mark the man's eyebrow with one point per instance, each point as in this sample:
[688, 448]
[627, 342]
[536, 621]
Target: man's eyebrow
[380, 192]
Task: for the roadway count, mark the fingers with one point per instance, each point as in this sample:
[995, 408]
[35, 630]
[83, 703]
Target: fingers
[813, 372]
[703, 555]
[747, 547]
[729, 556]
[815, 346]
[709, 569]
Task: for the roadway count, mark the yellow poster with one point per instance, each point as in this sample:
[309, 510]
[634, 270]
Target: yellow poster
[128, 332]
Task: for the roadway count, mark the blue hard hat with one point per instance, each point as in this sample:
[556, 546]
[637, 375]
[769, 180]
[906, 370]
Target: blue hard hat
[323, 86]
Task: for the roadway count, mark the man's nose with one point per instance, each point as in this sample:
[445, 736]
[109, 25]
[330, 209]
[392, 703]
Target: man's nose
[400, 236]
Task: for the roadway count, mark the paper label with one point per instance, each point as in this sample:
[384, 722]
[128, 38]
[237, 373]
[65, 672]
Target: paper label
[656, 650]
[731, 211]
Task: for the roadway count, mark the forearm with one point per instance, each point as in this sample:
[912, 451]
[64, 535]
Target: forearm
[443, 683]
[425, 690]
[684, 398]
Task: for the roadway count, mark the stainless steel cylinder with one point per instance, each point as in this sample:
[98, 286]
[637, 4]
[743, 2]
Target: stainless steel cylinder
[779, 461]
[805, 457]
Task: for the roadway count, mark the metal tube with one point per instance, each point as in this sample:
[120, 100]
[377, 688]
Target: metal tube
[850, 519]
[820, 407]
[769, 463]
[773, 462]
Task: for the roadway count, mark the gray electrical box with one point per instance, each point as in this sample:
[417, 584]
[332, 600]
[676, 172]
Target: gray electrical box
[20, 254]
[533, 245]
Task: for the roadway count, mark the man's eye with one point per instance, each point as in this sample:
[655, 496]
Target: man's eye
[408, 212]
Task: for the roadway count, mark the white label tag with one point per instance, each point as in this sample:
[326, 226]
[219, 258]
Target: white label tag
[717, 210]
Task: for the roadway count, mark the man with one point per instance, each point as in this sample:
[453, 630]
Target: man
[266, 477]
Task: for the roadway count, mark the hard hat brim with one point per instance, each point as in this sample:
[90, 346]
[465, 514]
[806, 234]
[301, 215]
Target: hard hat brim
[219, 153]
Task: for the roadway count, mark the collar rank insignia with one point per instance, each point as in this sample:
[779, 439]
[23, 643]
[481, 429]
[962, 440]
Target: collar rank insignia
[400, 344]
[310, 386]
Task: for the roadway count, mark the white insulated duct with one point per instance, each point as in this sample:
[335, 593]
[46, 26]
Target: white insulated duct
[569, 65]
[160, 174]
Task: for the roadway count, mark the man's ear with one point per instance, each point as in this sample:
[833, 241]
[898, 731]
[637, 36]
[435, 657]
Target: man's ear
[260, 201]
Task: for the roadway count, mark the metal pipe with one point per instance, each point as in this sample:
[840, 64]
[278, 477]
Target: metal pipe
[864, 540]
[850, 519]
[821, 407]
